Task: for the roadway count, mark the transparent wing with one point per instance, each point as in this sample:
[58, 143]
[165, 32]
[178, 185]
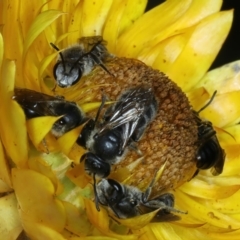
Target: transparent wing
[127, 111]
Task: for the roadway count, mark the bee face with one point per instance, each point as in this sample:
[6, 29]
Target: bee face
[77, 61]
[127, 201]
[123, 124]
[210, 153]
[36, 104]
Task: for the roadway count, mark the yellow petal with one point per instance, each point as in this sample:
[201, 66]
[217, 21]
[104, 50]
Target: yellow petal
[146, 233]
[147, 27]
[92, 238]
[10, 226]
[221, 180]
[39, 127]
[78, 176]
[227, 205]
[119, 18]
[200, 52]
[170, 231]
[43, 20]
[76, 153]
[12, 122]
[98, 219]
[1, 50]
[77, 222]
[66, 6]
[198, 97]
[12, 33]
[87, 107]
[232, 135]
[224, 79]
[197, 11]
[74, 23]
[38, 231]
[39, 165]
[4, 188]
[98, 13]
[32, 8]
[206, 190]
[101, 221]
[4, 168]
[232, 166]
[224, 109]
[67, 141]
[163, 54]
[234, 235]
[36, 197]
[205, 214]
[141, 220]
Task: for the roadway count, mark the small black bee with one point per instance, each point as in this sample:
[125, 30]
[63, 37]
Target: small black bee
[210, 154]
[128, 201]
[123, 124]
[79, 60]
[36, 104]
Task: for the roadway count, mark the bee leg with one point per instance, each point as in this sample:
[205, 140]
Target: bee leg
[100, 108]
[148, 191]
[54, 88]
[44, 143]
[95, 193]
[165, 204]
[133, 146]
[95, 165]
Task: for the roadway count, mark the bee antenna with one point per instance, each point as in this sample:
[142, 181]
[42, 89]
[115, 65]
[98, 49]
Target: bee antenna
[100, 108]
[95, 58]
[61, 56]
[82, 56]
[95, 193]
[209, 102]
[76, 62]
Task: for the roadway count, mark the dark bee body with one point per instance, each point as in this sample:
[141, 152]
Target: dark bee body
[127, 201]
[171, 138]
[79, 60]
[123, 124]
[36, 104]
[210, 153]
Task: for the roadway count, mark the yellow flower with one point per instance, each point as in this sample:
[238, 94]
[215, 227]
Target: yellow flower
[39, 194]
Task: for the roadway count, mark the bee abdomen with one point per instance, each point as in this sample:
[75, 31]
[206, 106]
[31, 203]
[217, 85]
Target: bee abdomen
[144, 120]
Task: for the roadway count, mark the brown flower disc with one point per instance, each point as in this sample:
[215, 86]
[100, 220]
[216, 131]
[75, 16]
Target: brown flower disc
[170, 139]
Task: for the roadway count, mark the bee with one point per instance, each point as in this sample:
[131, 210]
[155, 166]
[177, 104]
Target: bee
[170, 137]
[210, 154]
[36, 104]
[128, 201]
[123, 124]
[173, 138]
[79, 60]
